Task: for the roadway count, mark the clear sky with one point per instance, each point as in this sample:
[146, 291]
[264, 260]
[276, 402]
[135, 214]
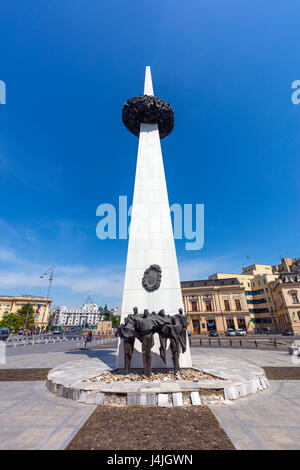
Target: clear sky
[69, 65]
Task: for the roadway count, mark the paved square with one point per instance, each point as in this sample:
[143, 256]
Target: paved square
[267, 421]
[33, 418]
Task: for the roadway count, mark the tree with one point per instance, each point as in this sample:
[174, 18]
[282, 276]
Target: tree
[23, 318]
[11, 321]
[50, 319]
[115, 320]
[26, 315]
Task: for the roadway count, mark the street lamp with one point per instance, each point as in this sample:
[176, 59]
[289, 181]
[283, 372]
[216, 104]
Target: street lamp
[49, 273]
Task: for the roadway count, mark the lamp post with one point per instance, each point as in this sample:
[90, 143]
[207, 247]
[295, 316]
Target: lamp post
[49, 272]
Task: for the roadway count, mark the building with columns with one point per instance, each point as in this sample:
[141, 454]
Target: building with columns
[270, 295]
[286, 294]
[11, 304]
[255, 279]
[215, 304]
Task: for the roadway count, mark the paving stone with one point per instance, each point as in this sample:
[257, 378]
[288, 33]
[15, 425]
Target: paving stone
[91, 398]
[177, 399]
[99, 398]
[131, 399]
[151, 399]
[163, 400]
[195, 398]
[82, 397]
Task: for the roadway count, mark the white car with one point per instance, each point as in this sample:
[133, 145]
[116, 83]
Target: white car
[240, 332]
[230, 332]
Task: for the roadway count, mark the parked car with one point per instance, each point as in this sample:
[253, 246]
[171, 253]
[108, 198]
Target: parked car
[230, 332]
[240, 332]
[287, 333]
[4, 333]
[57, 330]
[213, 333]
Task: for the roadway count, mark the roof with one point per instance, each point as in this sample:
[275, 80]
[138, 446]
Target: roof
[210, 282]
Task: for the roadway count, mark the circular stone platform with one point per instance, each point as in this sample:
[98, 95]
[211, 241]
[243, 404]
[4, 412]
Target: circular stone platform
[231, 379]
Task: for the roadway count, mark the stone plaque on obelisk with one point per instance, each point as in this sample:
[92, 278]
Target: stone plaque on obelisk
[151, 279]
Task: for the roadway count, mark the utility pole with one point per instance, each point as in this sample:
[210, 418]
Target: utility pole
[49, 272]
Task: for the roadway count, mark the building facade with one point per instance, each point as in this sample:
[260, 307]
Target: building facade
[287, 265]
[286, 295]
[117, 311]
[86, 316]
[215, 304]
[255, 279]
[104, 327]
[41, 305]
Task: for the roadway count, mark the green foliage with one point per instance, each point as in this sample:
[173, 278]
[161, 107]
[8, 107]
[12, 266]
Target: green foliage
[26, 314]
[115, 321]
[109, 316]
[11, 321]
[24, 317]
[49, 324]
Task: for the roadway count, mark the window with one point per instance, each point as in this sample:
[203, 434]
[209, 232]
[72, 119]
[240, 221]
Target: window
[295, 298]
[238, 305]
[299, 316]
[227, 305]
[208, 305]
[230, 323]
[242, 323]
[194, 306]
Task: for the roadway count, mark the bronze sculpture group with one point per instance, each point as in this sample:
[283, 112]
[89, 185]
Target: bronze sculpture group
[143, 327]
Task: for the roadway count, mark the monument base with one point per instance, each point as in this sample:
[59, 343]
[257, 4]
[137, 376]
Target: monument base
[232, 379]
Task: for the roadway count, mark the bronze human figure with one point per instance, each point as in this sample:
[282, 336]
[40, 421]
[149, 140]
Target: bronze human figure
[143, 327]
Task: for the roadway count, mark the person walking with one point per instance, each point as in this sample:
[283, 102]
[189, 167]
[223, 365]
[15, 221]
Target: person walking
[87, 339]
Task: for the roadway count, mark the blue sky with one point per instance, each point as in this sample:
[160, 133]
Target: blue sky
[69, 65]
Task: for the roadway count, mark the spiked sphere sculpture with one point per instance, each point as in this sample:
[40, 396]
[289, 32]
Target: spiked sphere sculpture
[145, 109]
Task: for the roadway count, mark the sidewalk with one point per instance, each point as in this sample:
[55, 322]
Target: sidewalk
[266, 421]
[33, 418]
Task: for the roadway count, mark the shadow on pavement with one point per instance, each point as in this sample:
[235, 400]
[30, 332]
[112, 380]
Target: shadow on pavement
[108, 356]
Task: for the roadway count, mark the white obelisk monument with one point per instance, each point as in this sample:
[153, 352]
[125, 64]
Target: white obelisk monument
[151, 242]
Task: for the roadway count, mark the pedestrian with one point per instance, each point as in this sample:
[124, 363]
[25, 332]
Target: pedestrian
[87, 339]
[91, 336]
